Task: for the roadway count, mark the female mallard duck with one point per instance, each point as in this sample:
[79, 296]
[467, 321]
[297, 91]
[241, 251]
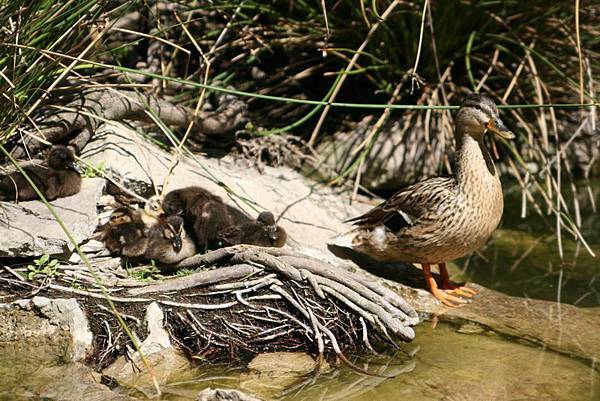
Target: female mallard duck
[442, 218]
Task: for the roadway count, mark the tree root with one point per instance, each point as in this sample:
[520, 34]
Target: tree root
[256, 300]
[85, 111]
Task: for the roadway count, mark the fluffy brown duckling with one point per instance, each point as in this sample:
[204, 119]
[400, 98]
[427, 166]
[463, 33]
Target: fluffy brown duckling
[124, 234]
[205, 214]
[168, 242]
[262, 232]
[55, 177]
[153, 209]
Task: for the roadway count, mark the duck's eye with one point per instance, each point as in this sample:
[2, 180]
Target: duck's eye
[477, 107]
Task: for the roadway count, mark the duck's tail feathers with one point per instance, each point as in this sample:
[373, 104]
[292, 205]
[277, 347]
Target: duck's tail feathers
[344, 240]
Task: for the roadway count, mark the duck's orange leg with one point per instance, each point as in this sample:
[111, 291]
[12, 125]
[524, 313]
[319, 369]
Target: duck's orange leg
[444, 297]
[451, 288]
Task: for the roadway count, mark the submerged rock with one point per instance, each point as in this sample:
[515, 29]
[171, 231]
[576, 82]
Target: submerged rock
[272, 372]
[220, 394]
[29, 229]
[284, 363]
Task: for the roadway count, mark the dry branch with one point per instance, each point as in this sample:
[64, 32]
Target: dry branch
[84, 112]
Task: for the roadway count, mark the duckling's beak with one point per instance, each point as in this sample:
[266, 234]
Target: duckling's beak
[75, 166]
[272, 232]
[176, 243]
[497, 127]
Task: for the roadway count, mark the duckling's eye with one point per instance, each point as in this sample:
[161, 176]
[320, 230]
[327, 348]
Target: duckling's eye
[477, 107]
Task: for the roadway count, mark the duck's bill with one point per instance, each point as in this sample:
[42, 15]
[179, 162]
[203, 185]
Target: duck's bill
[176, 243]
[272, 232]
[77, 167]
[497, 127]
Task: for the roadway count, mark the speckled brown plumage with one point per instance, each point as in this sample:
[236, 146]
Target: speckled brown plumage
[262, 232]
[205, 214]
[442, 218]
[55, 177]
[124, 234]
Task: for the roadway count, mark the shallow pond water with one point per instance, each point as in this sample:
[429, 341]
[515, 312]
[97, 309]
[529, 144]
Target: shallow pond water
[447, 363]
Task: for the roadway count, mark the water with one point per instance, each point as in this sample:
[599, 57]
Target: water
[442, 364]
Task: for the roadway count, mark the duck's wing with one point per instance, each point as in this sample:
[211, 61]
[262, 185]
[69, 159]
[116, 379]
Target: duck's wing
[409, 205]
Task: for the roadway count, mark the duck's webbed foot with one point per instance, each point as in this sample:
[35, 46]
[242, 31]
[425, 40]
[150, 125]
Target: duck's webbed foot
[451, 297]
[461, 291]
[450, 288]
[447, 298]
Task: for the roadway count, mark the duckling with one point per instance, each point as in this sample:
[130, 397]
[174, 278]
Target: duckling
[124, 232]
[180, 200]
[205, 214]
[168, 241]
[442, 218]
[262, 232]
[55, 177]
[153, 209]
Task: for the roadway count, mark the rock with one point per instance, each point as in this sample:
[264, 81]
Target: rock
[33, 354]
[270, 373]
[18, 324]
[106, 200]
[470, 328]
[210, 394]
[158, 338]
[563, 328]
[284, 363]
[29, 229]
[312, 214]
[72, 382]
[67, 315]
[165, 361]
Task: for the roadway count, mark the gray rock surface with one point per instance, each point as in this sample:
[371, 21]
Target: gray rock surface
[66, 315]
[313, 214]
[29, 229]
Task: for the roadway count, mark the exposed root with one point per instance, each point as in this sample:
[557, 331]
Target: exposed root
[81, 115]
[256, 300]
